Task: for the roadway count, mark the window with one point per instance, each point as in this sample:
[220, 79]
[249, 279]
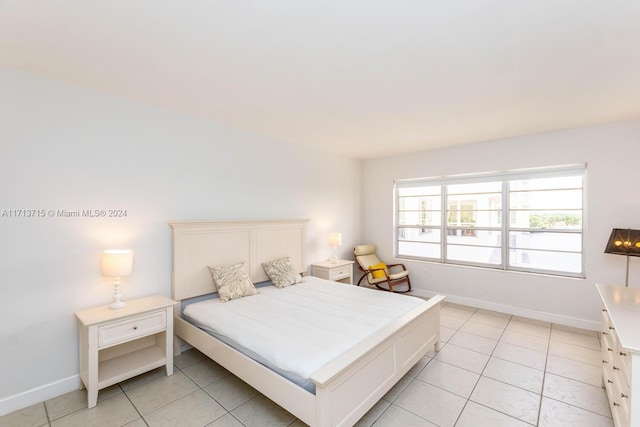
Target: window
[518, 220]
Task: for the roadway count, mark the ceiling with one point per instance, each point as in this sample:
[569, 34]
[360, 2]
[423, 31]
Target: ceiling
[366, 78]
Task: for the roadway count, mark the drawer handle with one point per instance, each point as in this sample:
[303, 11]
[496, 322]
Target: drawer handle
[623, 354]
[604, 361]
[135, 328]
[616, 404]
[609, 349]
[611, 328]
[610, 382]
[615, 368]
[604, 309]
[604, 333]
[624, 395]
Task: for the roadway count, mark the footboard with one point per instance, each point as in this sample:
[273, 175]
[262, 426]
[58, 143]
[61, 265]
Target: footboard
[348, 387]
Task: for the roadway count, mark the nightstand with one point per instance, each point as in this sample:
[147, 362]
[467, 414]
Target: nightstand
[119, 344]
[341, 271]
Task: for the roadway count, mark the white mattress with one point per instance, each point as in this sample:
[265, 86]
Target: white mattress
[298, 329]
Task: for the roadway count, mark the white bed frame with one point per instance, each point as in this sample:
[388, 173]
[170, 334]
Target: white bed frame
[345, 388]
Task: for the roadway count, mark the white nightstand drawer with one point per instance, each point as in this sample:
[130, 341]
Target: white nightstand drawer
[337, 271]
[132, 328]
[341, 273]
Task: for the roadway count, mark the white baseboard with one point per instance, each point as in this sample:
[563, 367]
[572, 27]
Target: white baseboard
[517, 311]
[39, 394]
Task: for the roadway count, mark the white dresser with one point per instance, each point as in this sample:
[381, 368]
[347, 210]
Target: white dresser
[620, 346]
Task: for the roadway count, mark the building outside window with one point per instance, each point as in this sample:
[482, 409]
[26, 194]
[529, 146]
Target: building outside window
[517, 220]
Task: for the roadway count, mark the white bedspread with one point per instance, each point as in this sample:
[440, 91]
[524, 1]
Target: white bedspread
[299, 329]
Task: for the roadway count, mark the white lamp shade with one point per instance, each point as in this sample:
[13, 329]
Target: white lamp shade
[117, 263]
[335, 239]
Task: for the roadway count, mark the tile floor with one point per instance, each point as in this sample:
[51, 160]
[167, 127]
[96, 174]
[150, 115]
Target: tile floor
[492, 370]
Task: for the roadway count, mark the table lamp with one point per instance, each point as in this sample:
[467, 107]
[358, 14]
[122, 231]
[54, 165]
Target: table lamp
[335, 240]
[624, 242]
[117, 263]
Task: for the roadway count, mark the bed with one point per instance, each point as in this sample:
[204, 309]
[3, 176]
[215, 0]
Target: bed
[343, 389]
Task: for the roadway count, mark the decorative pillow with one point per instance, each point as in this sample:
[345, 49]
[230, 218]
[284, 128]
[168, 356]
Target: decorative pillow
[232, 281]
[378, 273]
[281, 272]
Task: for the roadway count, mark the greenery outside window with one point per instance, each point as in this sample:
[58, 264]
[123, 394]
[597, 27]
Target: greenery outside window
[527, 220]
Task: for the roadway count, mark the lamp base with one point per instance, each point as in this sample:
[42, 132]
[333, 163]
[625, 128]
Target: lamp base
[116, 295]
[116, 305]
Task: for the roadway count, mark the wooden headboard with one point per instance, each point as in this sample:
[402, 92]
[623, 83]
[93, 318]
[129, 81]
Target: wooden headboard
[199, 244]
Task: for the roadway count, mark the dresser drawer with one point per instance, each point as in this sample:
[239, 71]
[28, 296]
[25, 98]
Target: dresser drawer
[131, 328]
[620, 401]
[624, 356]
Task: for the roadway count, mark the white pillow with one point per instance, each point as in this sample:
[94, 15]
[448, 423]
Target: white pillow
[232, 282]
[281, 272]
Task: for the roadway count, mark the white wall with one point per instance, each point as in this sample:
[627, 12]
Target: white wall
[65, 147]
[613, 155]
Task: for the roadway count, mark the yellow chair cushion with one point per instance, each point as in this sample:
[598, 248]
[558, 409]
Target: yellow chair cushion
[378, 273]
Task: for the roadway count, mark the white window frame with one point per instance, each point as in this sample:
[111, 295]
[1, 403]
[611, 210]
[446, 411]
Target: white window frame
[504, 177]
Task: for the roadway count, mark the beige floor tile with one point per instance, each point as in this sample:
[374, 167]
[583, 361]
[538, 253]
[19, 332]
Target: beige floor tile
[558, 414]
[205, 372]
[521, 355]
[136, 423]
[473, 342]
[515, 374]
[475, 415]
[450, 378]
[418, 367]
[66, 404]
[488, 318]
[188, 357]
[578, 371]
[431, 403]
[231, 392]
[261, 411]
[451, 322]
[113, 412]
[482, 330]
[576, 330]
[226, 421]
[520, 339]
[575, 352]
[458, 313]
[508, 399]
[446, 333]
[582, 340]
[32, 416]
[195, 409]
[145, 378]
[578, 394]
[374, 413]
[151, 396]
[463, 358]
[73, 401]
[460, 307]
[398, 388]
[529, 328]
[396, 416]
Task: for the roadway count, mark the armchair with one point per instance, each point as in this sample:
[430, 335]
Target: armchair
[379, 274]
